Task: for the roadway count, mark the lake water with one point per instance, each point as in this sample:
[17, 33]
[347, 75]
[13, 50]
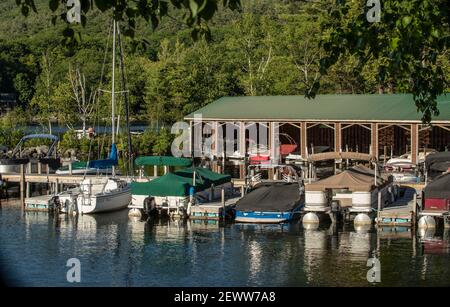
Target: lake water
[115, 250]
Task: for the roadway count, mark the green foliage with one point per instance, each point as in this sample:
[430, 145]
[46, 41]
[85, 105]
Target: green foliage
[10, 134]
[196, 13]
[408, 45]
[162, 142]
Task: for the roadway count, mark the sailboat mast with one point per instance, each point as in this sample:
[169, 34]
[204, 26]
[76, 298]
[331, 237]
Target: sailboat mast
[113, 139]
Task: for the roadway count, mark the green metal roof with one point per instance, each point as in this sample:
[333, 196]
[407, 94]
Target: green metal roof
[372, 107]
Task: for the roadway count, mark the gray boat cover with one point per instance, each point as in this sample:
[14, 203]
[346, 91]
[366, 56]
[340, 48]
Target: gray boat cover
[271, 197]
[437, 163]
[439, 188]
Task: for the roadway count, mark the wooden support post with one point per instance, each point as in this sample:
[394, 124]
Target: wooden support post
[28, 189]
[414, 212]
[222, 195]
[374, 140]
[155, 171]
[379, 207]
[22, 184]
[57, 186]
[304, 140]
[39, 168]
[337, 137]
[414, 143]
[70, 167]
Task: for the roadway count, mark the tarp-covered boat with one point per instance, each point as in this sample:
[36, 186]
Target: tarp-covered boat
[270, 202]
[437, 163]
[437, 194]
[171, 192]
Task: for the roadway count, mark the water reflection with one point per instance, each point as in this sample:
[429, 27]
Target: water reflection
[118, 250]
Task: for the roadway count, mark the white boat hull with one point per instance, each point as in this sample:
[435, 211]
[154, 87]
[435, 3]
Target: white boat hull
[79, 201]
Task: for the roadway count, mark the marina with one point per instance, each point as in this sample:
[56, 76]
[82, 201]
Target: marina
[216, 144]
[165, 252]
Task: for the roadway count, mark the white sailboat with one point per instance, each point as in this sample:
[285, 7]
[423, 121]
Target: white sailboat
[99, 194]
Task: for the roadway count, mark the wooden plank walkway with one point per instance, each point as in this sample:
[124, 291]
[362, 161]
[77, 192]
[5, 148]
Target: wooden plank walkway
[401, 212]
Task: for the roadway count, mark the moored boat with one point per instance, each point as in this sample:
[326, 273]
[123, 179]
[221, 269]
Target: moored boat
[270, 202]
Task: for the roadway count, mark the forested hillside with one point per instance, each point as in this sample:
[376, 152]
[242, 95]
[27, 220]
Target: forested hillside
[270, 48]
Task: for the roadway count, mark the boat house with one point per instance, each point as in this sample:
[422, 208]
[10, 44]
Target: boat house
[375, 125]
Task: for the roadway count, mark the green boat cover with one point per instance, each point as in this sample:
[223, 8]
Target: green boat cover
[162, 160]
[179, 183]
[205, 174]
[168, 185]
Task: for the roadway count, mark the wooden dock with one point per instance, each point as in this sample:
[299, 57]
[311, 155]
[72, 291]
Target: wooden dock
[39, 203]
[212, 211]
[400, 213]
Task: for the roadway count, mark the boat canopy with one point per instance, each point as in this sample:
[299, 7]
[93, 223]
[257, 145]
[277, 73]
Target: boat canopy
[162, 160]
[168, 185]
[439, 188]
[358, 178]
[52, 137]
[179, 182]
[106, 163]
[269, 197]
[209, 177]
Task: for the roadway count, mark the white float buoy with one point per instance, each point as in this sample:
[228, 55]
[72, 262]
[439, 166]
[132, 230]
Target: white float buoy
[427, 233]
[134, 212]
[362, 219]
[310, 218]
[427, 222]
[362, 228]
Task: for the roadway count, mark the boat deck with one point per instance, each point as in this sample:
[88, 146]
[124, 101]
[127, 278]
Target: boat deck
[401, 212]
[212, 210]
[39, 203]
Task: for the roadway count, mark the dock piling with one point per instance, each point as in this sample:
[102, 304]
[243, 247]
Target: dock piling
[22, 184]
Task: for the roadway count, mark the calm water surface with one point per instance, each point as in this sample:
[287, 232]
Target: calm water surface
[115, 250]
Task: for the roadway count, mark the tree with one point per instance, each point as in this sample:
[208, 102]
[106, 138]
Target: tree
[42, 100]
[84, 98]
[409, 43]
[196, 13]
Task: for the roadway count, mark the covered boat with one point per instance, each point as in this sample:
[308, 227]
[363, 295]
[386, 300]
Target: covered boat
[172, 192]
[354, 191]
[103, 166]
[437, 194]
[270, 202]
[437, 163]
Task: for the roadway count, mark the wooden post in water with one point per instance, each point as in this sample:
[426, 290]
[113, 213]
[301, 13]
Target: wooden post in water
[379, 207]
[414, 212]
[22, 184]
[223, 202]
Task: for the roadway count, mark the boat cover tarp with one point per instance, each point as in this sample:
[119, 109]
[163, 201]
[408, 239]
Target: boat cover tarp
[439, 188]
[340, 155]
[437, 163]
[170, 184]
[357, 178]
[179, 182]
[106, 163]
[162, 160]
[209, 177]
[271, 197]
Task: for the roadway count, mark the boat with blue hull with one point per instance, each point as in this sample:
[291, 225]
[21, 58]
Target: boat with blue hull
[268, 217]
[271, 202]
